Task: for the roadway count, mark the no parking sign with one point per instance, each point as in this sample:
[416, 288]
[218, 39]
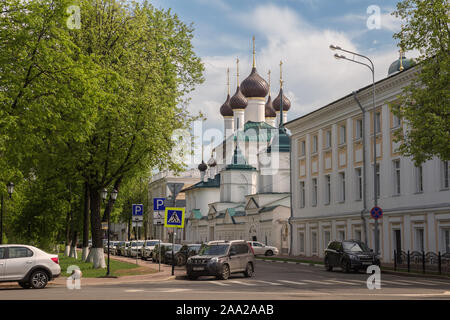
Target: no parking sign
[376, 212]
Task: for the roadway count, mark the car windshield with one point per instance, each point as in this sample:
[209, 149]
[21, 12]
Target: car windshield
[151, 243]
[214, 250]
[134, 244]
[355, 247]
[195, 248]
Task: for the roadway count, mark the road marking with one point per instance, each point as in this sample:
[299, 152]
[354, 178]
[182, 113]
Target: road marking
[317, 282]
[342, 282]
[219, 283]
[395, 283]
[174, 290]
[436, 282]
[130, 291]
[240, 282]
[291, 282]
[417, 282]
[270, 283]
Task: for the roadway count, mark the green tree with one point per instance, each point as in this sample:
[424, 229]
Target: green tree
[425, 103]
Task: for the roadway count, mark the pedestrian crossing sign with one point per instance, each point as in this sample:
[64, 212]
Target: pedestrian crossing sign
[174, 218]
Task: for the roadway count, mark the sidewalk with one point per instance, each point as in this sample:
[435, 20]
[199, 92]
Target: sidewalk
[164, 275]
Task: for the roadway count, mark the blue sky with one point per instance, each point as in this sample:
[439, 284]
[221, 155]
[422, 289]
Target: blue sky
[295, 31]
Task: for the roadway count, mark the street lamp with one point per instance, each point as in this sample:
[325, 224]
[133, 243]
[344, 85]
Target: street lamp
[10, 189]
[372, 69]
[113, 199]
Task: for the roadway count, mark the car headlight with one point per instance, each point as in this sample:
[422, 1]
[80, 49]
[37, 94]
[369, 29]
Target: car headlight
[353, 257]
[215, 259]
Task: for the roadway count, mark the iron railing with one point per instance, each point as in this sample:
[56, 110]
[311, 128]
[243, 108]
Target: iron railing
[419, 260]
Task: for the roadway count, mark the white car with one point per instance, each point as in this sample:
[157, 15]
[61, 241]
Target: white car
[147, 248]
[29, 266]
[261, 248]
[135, 249]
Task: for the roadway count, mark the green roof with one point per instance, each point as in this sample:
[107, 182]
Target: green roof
[238, 161]
[254, 135]
[209, 183]
[280, 142]
[268, 209]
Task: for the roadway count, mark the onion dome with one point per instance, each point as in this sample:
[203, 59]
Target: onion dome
[225, 109]
[202, 166]
[277, 103]
[401, 64]
[212, 162]
[238, 100]
[269, 110]
[254, 86]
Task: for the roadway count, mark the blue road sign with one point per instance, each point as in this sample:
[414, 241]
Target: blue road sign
[138, 209]
[174, 218]
[376, 212]
[158, 204]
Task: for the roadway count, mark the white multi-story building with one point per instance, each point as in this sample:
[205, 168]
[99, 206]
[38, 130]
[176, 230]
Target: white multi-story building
[327, 177]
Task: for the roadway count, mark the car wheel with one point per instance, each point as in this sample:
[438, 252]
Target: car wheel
[328, 267]
[249, 270]
[225, 274]
[38, 279]
[269, 253]
[181, 261]
[25, 285]
[345, 265]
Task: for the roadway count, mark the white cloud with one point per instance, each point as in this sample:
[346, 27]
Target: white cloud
[312, 76]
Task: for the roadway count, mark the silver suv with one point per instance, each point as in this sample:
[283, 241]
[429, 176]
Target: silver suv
[222, 258]
[29, 266]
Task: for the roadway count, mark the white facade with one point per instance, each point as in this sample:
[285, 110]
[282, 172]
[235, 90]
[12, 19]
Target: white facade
[328, 187]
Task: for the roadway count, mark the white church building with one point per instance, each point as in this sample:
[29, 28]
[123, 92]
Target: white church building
[244, 189]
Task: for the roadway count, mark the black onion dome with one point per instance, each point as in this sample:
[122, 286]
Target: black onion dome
[202, 166]
[225, 109]
[269, 110]
[238, 100]
[277, 103]
[254, 86]
[212, 162]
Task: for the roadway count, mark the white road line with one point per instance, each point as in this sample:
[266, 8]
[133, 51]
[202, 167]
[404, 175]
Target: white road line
[357, 281]
[218, 283]
[343, 282]
[131, 291]
[240, 282]
[174, 290]
[395, 282]
[317, 282]
[270, 283]
[436, 282]
[291, 282]
[417, 282]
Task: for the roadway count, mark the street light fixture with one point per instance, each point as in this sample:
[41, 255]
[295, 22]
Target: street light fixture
[113, 199]
[372, 69]
[104, 194]
[10, 189]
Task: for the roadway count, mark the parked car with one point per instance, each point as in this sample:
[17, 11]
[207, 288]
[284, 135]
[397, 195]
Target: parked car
[147, 249]
[261, 248]
[119, 247]
[164, 247]
[124, 248]
[349, 255]
[222, 259]
[168, 253]
[135, 249]
[186, 251]
[29, 266]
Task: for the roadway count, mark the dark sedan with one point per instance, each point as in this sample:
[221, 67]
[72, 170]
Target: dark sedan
[349, 255]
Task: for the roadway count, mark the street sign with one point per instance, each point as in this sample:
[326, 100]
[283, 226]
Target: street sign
[175, 188]
[138, 209]
[158, 217]
[376, 213]
[174, 218]
[137, 218]
[158, 204]
[137, 223]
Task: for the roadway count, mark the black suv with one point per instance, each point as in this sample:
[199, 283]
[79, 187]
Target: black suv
[349, 255]
[220, 259]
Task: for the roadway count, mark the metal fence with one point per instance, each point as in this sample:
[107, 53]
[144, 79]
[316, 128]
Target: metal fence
[422, 261]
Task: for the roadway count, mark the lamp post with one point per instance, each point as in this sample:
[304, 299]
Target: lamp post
[10, 189]
[372, 69]
[104, 195]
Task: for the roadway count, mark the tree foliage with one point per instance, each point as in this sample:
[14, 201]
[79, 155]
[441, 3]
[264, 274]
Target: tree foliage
[425, 103]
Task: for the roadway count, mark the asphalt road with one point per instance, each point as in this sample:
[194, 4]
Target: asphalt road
[272, 280]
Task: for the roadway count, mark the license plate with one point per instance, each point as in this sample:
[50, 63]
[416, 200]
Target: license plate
[198, 268]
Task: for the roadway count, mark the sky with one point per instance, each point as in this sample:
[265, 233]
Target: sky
[299, 33]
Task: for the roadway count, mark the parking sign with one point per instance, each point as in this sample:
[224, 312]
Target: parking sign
[138, 210]
[158, 204]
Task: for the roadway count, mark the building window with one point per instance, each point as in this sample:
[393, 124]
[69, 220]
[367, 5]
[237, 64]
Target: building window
[377, 122]
[358, 235]
[302, 148]
[314, 242]
[302, 194]
[301, 242]
[327, 189]
[237, 123]
[359, 183]
[419, 235]
[342, 186]
[326, 238]
[342, 135]
[396, 122]
[446, 240]
[358, 129]
[445, 170]
[419, 179]
[314, 147]
[314, 192]
[328, 139]
[341, 235]
[397, 181]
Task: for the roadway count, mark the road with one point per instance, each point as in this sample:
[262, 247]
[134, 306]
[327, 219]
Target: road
[272, 280]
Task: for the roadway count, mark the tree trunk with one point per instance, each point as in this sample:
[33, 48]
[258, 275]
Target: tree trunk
[85, 245]
[73, 247]
[67, 248]
[96, 230]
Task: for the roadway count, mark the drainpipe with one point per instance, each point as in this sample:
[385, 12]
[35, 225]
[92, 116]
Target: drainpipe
[290, 191]
[364, 210]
